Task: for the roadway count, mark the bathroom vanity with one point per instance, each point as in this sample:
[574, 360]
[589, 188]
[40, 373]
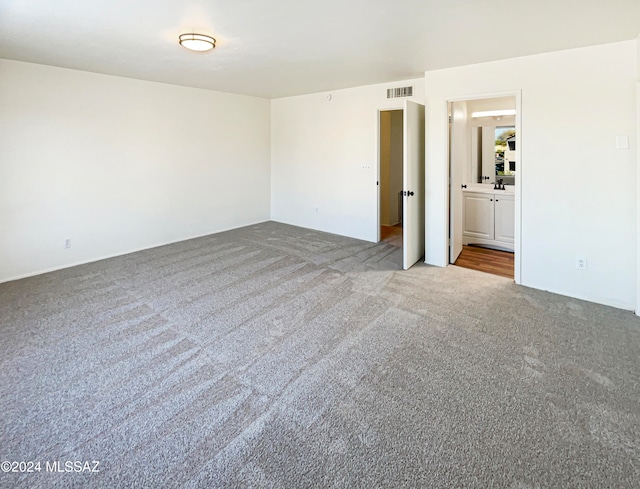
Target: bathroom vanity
[489, 216]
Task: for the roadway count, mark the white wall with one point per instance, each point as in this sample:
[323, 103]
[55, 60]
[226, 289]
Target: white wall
[318, 150]
[579, 193]
[118, 165]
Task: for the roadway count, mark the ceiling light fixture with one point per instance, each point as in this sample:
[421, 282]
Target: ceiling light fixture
[197, 42]
[494, 113]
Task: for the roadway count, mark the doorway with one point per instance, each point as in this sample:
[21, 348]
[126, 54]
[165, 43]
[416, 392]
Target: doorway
[407, 201]
[390, 202]
[484, 184]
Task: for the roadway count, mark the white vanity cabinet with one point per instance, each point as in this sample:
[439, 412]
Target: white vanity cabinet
[489, 218]
[478, 215]
[505, 216]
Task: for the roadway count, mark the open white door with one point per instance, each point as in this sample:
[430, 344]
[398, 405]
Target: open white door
[457, 158]
[413, 184]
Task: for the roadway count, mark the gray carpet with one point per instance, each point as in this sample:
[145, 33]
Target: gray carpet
[274, 356]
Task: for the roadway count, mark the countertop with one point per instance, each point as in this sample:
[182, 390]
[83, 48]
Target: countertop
[486, 188]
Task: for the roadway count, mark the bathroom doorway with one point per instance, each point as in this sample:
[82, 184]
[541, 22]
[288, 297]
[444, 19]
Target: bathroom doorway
[484, 189]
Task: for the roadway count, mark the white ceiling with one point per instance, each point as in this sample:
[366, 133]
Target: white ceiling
[276, 48]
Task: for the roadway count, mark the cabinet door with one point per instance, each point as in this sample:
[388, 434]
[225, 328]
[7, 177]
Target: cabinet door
[478, 215]
[505, 218]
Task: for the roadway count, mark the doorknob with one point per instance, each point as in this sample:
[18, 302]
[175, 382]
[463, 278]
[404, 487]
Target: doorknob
[407, 193]
[463, 186]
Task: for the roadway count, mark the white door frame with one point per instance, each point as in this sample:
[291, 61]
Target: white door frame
[453, 191]
[638, 199]
[518, 180]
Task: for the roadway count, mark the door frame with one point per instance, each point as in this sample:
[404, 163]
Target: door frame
[451, 194]
[517, 265]
[637, 311]
[386, 109]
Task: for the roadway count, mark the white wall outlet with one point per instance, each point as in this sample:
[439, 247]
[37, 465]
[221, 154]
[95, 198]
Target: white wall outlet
[366, 167]
[317, 209]
[581, 263]
[67, 244]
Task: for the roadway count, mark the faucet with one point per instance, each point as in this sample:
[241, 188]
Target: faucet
[499, 185]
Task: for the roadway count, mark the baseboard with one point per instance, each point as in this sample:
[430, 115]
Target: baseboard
[106, 257]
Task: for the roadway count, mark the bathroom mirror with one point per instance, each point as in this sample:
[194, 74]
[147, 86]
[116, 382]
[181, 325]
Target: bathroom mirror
[493, 154]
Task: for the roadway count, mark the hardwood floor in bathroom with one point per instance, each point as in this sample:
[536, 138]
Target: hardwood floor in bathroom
[391, 235]
[486, 260]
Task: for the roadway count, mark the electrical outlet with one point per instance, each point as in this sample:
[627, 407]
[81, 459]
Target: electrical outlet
[67, 244]
[366, 167]
[581, 263]
[317, 209]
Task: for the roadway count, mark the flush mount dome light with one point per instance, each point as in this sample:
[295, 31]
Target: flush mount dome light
[197, 42]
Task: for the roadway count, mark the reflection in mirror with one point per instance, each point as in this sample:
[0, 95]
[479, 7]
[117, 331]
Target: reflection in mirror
[505, 154]
[493, 154]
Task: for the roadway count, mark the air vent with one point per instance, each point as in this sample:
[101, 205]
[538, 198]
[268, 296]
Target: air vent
[400, 92]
